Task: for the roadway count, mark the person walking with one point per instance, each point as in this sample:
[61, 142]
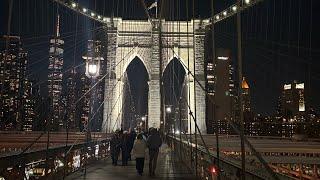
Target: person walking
[153, 142]
[125, 148]
[115, 148]
[138, 152]
[132, 138]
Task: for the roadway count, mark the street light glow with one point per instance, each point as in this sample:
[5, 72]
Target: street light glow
[225, 13]
[92, 69]
[168, 109]
[74, 5]
[234, 8]
[84, 10]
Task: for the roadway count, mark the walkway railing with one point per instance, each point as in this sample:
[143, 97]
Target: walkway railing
[62, 160]
[228, 168]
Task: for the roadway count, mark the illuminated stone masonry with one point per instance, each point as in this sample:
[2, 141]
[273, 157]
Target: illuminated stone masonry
[127, 39]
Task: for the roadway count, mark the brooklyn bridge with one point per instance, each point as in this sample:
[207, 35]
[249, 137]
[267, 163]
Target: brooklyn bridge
[191, 70]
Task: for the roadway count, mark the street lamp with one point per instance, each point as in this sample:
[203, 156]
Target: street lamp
[93, 59]
[92, 66]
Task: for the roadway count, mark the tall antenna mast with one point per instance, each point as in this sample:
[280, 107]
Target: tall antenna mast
[58, 26]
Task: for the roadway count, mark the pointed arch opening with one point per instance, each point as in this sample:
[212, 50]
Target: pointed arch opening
[135, 95]
[175, 97]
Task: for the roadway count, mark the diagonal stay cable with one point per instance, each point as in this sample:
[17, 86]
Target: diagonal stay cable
[105, 99]
[252, 148]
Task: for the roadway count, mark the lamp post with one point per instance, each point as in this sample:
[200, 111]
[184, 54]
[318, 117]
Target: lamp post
[144, 119]
[92, 60]
[168, 115]
[92, 66]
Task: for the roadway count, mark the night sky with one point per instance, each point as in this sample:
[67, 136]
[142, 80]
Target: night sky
[280, 38]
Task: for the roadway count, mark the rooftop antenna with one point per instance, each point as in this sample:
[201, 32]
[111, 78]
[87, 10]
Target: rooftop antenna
[58, 26]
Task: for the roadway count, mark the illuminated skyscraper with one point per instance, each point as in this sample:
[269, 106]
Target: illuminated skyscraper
[55, 79]
[73, 124]
[246, 102]
[251, 127]
[220, 86]
[13, 65]
[293, 109]
[83, 108]
[293, 100]
[29, 114]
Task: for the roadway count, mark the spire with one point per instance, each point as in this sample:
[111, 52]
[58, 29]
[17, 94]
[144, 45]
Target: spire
[244, 83]
[58, 26]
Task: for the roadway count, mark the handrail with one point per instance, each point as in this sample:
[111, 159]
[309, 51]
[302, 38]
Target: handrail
[227, 165]
[94, 150]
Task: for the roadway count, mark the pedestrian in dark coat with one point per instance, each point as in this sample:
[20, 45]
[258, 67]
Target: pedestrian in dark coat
[132, 138]
[154, 142]
[125, 148]
[115, 148]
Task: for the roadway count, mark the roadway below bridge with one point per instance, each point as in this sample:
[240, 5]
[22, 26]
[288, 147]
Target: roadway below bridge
[284, 155]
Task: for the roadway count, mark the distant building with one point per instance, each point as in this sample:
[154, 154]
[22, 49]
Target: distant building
[246, 99]
[83, 109]
[55, 79]
[293, 99]
[292, 108]
[71, 96]
[221, 88]
[250, 126]
[29, 103]
[13, 65]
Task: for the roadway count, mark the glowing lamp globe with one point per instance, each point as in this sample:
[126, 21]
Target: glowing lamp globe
[92, 69]
[92, 66]
[168, 109]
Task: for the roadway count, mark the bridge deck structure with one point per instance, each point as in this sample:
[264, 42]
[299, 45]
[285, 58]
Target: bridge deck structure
[169, 167]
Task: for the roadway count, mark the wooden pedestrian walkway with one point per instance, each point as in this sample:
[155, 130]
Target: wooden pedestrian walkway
[168, 168]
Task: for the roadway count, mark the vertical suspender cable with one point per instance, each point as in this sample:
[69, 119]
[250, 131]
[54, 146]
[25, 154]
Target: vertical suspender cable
[189, 88]
[7, 43]
[243, 158]
[194, 86]
[310, 54]
[180, 97]
[52, 105]
[216, 128]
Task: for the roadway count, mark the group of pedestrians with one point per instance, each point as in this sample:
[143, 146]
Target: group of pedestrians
[132, 145]
[122, 141]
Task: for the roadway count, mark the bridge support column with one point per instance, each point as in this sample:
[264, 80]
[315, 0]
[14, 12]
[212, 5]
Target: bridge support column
[200, 93]
[111, 83]
[154, 104]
